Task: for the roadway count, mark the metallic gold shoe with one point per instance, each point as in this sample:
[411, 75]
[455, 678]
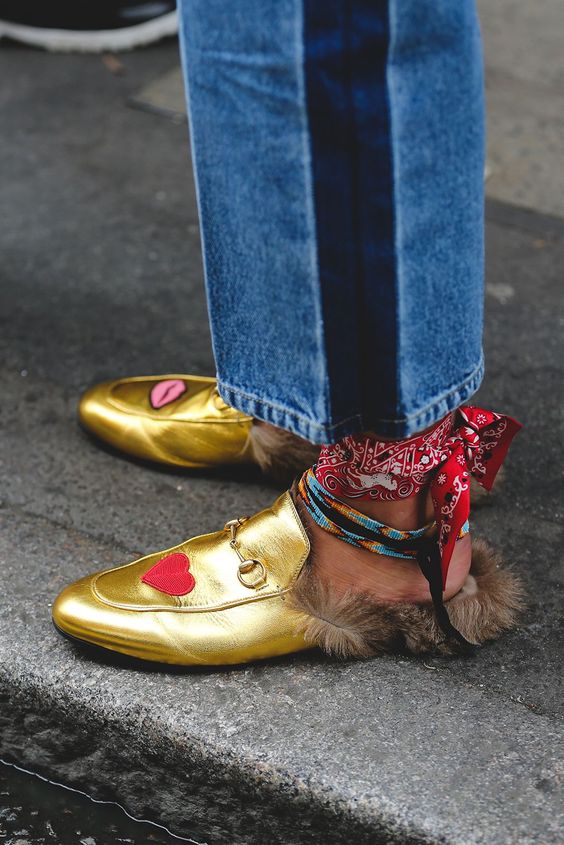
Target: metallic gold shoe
[173, 419]
[216, 599]
[250, 592]
[182, 420]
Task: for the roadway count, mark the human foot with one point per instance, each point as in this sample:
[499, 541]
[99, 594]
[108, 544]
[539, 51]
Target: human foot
[420, 486]
[344, 568]
[355, 624]
[251, 592]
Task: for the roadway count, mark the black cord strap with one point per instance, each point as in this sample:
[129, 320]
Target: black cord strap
[429, 560]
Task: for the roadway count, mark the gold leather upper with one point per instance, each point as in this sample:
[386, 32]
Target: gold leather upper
[196, 430]
[221, 621]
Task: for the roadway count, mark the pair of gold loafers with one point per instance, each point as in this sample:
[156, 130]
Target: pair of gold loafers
[246, 592]
[216, 599]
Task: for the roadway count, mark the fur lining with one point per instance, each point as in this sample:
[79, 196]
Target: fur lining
[281, 454]
[355, 626]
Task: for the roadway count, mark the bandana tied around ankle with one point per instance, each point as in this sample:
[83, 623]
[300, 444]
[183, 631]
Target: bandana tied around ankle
[359, 530]
[469, 442]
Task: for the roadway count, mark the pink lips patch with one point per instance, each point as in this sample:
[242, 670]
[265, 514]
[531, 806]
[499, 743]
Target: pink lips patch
[165, 392]
[170, 575]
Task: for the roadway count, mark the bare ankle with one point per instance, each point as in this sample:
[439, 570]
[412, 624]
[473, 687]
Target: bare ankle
[344, 568]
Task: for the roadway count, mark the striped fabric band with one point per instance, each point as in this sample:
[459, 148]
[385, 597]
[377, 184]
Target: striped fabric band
[338, 518]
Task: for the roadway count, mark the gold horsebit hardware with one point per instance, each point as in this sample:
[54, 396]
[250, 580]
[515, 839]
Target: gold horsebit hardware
[246, 565]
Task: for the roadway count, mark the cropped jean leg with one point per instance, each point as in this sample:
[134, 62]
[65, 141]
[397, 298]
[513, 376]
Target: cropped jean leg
[338, 153]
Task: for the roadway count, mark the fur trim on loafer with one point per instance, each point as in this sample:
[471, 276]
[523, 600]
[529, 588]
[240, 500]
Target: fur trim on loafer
[354, 625]
[281, 454]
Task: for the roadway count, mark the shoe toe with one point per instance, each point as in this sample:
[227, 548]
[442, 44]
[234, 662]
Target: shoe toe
[96, 414]
[78, 614]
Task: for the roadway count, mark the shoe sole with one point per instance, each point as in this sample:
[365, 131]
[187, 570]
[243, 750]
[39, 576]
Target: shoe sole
[143, 460]
[97, 41]
[128, 661]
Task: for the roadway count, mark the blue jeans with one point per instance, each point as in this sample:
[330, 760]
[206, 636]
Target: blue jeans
[338, 151]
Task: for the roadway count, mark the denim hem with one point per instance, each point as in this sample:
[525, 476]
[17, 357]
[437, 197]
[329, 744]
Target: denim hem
[282, 417]
[319, 433]
[432, 413]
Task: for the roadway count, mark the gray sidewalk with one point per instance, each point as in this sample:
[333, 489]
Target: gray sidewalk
[101, 276]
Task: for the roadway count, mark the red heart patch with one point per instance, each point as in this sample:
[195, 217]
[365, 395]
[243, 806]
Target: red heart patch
[170, 575]
[165, 392]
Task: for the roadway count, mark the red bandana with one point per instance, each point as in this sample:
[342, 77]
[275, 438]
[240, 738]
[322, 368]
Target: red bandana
[471, 441]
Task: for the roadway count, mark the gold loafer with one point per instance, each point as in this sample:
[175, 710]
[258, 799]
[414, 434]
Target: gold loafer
[172, 419]
[182, 420]
[216, 599]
